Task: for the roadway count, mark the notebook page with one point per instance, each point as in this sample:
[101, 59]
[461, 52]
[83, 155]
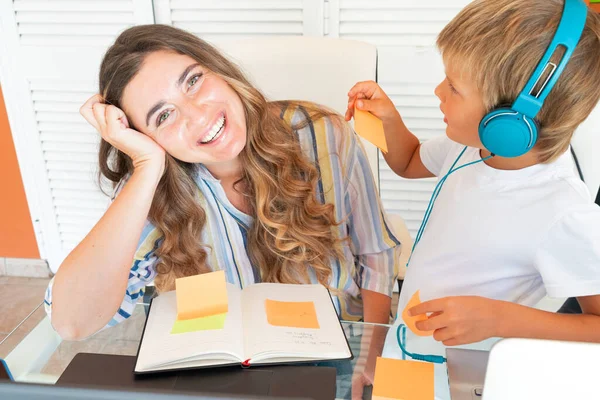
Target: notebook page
[265, 340]
[161, 350]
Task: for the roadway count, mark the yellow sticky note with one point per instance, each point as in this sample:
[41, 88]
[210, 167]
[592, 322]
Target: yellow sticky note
[411, 322]
[298, 314]
[201, 295]
[370, 127]
[199, 324]
[403, 379]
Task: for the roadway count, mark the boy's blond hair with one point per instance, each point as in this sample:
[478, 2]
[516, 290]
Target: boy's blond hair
[497, 44]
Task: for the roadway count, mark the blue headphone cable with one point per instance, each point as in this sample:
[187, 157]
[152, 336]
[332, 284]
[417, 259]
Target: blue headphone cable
[434, 196]
[401, 330]
[421, 357]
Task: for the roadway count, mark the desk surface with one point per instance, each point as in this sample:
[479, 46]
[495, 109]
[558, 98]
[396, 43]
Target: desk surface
[35, 353]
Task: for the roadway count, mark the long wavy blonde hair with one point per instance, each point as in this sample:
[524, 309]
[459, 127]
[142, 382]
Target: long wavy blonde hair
[292, 229]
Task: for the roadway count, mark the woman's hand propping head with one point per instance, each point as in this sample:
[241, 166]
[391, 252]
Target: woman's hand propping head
[113, 126]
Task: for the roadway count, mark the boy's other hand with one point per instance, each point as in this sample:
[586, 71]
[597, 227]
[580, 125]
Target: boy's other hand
[368, 96]
[461, 319]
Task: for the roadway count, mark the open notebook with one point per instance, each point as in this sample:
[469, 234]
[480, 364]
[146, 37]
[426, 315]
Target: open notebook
[256, 331]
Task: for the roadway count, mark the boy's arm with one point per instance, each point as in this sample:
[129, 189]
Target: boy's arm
[404, 155]
[568, 260]
[469, 319]
[526, 322]
[403, 147]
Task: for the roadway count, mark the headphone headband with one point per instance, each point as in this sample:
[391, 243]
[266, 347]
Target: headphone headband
[567, 34]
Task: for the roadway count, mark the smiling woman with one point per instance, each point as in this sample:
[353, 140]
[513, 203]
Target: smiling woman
[211, 176]
[176, 113]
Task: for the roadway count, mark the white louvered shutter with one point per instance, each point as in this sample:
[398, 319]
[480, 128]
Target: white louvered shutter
[50, 53]
[409, 68]
[213, 20]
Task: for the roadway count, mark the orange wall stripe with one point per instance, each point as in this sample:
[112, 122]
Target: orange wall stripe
[17, 238]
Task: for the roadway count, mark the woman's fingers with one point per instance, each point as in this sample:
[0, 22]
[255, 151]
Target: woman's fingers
[114, 123]
[99, 111]
[87, 111]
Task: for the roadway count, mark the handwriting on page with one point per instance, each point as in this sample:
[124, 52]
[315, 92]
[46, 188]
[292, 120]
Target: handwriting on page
[292, 314]
[306, 338]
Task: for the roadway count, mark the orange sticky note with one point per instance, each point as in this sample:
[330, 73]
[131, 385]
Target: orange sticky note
[411, 322]
[370, 127]
[201, 295]
[403, 379]
[297, 314]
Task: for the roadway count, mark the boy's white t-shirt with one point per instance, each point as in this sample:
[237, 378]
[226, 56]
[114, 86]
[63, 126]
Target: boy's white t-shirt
[505, 235]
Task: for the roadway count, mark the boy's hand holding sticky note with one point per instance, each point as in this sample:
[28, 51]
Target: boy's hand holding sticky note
[403, 379]
[201, 302]
[411, 321]
[370, 127]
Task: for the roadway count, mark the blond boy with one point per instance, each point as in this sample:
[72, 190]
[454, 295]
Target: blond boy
[505, 232]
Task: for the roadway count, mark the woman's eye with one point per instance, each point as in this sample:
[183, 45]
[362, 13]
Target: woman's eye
[193, 80]
[163, 117]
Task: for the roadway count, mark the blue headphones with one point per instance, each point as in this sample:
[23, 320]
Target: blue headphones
[513, 131]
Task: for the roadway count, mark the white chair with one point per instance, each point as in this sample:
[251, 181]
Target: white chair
[321, 70]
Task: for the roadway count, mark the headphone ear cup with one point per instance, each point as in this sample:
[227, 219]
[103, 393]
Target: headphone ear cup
[507, 133]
